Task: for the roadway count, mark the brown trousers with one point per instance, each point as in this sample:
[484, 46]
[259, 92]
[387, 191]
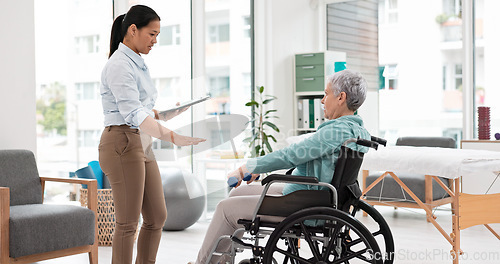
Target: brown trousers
[137, 188]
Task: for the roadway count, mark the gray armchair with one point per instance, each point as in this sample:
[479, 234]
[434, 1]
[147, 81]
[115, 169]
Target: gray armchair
[388, 192]
[32, 231]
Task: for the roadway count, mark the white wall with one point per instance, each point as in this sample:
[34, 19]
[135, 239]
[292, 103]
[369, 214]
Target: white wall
[281, 30]
[17, 75]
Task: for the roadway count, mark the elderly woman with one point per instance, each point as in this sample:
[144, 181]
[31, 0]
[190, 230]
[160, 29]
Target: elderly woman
[316, 156]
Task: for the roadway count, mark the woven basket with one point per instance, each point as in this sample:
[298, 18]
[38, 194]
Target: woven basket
[105, 215]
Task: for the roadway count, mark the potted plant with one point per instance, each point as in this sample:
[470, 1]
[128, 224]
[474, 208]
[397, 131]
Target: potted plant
[258, 142]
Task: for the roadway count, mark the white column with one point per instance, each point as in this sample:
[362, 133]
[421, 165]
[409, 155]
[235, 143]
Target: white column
[468, 68]
[17, 72]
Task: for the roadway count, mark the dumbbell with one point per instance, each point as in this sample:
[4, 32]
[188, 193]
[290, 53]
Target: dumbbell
[233, 181]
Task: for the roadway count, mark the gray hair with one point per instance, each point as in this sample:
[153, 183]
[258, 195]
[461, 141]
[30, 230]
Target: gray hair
[352, 84]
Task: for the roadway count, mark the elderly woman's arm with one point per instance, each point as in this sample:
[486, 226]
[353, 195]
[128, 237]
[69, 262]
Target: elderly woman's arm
[324, 142]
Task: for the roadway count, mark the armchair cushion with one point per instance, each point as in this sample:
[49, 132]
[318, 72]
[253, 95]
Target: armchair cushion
[18, 171]
[38, 228]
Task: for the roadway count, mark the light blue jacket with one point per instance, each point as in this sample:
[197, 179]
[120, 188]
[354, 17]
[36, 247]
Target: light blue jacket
[315, 156]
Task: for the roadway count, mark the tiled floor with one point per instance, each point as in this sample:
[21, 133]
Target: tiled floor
[417, 242]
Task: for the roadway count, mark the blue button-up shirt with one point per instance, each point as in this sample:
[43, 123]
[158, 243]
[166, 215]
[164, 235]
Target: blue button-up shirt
[127, 91]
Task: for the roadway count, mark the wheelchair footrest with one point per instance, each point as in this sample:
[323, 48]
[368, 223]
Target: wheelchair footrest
[240, 242]
[256, 250]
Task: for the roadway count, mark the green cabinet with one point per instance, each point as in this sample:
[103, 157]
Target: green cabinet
[310, 76]
[311, 69]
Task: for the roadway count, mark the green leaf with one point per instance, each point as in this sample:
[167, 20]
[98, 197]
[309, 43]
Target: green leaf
[247, 140]
[252, 103]
[257, 149]
[251, 138]
[271, 125]
[274, 139]
[270, 111]
[250, 121]
[261, 89]
[268, 146]
[271, 117]
[267, 101]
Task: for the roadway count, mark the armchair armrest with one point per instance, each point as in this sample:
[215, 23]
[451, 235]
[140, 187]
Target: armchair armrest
[291, 178]
[4, 223]
[91, 185]
[68, 180]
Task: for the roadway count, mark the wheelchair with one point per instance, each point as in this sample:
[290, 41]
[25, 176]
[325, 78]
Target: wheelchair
[317, 226]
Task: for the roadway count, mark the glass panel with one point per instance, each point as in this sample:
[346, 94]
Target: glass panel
[487, 56]
[165, 36]
[227, 79]
[424, 98]
[169, 63]
[69, 59]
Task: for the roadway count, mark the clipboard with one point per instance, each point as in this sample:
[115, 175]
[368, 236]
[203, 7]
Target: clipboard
[185, 104]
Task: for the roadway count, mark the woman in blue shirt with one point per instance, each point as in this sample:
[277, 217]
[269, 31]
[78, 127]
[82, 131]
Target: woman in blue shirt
[128, 97]
[315, 156]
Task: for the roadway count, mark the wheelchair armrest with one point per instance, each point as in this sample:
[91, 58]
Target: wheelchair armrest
[292, 178]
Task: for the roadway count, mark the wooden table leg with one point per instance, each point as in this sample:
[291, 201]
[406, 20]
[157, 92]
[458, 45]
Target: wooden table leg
[455, 235]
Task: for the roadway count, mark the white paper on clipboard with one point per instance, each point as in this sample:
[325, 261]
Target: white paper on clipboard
[185, 104]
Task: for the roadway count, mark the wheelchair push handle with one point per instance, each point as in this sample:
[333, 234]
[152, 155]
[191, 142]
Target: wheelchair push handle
[233, 181]
[367, 143]
[380, 141]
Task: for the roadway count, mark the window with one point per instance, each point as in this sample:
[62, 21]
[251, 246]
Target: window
[420, 72]
[87, 91]
[83, 50]
[246, 27]
[457, 76]
[170, 35]
[218, 33]
[390, 75]
[452, 7]
[87, 44]
[392, 11]
[168, 86]
[247, 83]
[388, 11]
[452, 77]
[219, 86]
[486, 91]
[88, 138]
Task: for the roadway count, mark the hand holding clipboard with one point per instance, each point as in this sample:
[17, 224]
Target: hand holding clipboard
[179, 108]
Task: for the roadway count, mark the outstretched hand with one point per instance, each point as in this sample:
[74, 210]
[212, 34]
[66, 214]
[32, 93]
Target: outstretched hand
[180, 140]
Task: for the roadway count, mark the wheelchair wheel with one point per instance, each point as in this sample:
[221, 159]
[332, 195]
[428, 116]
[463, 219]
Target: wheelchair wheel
[321, 235]
[378, 227]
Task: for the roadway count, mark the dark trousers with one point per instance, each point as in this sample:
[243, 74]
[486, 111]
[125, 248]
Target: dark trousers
[137, 188]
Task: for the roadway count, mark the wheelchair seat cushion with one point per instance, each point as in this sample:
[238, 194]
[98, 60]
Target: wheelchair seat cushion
[293, 202]
[39, 228]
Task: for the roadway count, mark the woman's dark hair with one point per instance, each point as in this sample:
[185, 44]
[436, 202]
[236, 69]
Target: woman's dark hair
[140, 15]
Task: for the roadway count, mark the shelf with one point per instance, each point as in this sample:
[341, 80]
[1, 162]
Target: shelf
[309, 93]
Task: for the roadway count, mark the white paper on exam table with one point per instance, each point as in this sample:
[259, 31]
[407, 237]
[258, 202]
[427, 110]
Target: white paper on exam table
[185, 104]
[444, 162]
